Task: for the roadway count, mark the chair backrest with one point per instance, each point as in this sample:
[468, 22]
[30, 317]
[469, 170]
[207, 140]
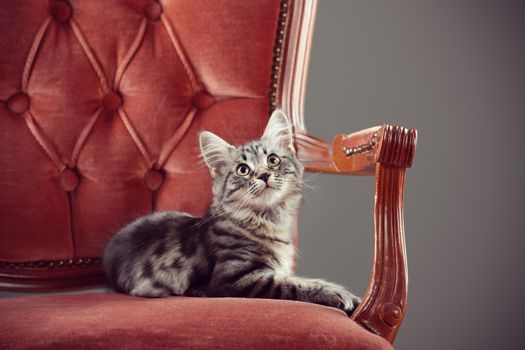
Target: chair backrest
[101, 105]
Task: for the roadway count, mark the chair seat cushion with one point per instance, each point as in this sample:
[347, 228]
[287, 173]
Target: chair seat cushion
[103, 321]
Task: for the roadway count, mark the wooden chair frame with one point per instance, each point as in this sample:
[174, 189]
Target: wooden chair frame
[385, 152]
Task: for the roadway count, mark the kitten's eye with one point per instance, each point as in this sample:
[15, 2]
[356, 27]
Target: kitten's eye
[273, 160]
[242, 169]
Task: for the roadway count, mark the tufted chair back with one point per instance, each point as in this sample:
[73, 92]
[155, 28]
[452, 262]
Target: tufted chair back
[101, 103]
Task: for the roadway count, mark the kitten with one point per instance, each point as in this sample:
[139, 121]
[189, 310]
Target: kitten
[242, 247]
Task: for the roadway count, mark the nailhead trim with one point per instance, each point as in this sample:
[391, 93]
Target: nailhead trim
[278, 54]
[361, 148]
[51, 264]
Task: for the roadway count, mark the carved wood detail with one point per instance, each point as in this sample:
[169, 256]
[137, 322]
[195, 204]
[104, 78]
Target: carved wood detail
[377, 144]
[384, 304]
[384, 151]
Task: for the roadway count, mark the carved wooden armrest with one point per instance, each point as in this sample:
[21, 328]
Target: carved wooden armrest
[359, 152]
[386, 152]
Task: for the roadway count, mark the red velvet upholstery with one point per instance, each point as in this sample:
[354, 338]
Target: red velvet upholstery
[100, 106]
[105, 321]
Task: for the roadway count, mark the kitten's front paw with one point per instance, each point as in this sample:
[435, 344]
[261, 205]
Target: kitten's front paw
[354, 303]
[336, 296]
[349, 302]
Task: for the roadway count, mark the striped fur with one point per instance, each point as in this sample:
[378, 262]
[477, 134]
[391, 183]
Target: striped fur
[242, 247]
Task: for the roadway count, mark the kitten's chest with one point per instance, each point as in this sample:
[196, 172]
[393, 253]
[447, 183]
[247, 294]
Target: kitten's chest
[283, 258]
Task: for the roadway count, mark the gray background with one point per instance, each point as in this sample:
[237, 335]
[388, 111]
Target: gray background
[455, 70]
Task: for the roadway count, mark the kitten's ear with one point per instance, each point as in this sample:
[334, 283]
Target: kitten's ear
[279, 130]
[215, 151]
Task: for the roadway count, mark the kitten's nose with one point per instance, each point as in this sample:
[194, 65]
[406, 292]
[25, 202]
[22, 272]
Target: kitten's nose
[264, 177]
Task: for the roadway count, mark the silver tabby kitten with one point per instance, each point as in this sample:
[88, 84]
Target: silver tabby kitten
[242, 247]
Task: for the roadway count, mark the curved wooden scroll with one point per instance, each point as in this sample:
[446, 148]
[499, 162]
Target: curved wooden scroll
[386, 152]
[383, 307]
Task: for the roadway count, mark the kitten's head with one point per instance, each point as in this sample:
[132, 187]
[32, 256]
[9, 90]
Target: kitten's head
[259, 174]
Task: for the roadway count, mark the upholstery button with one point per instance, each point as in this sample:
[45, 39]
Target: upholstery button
[18, 103]
[202, 100]
[154, 179]
[61, 11]
[112, 101]
[69, 179]
[152, 10]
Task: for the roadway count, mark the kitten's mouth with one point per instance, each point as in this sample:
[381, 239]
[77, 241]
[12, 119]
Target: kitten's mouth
[263, 191]
[267, 187]
[267, 192]
[268, 195]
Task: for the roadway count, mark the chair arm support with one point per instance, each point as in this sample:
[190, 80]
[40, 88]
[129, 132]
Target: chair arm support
[359, 152]
[386, 152]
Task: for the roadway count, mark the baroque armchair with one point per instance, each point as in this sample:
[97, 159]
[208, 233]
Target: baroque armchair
[100, 106]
